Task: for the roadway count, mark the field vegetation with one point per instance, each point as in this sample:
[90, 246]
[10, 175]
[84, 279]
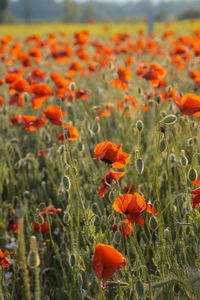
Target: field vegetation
[100, 161]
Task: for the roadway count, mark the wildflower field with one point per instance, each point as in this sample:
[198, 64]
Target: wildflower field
[100, 162]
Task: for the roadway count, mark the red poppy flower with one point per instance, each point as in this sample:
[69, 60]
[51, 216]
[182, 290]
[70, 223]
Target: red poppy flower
[50, 211]
[43, 152]
[15, 120]
[131, 206]
[110, 178]
[3, 260]
[130, 189]
[125, 227]
[17, 99]
[196, 198]
[124, 75]
[1, 101]
[44, 227]
[189, 104]
[12, 226]
[71, 134]
[112, 154]
[196, 182]
[107, 260]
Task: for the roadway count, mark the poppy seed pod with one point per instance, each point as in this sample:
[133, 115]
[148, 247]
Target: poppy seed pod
[169, 119]
[33, 259]
[96, 127]
[39, 219]
[66, 183]
[139, 165]
[117, 237]
[192, 174]
[153, 223]
[58, 101]
[183, 159]
[162, 145]
[139, 288]
[139, 125]
[72, 260]
[72, 86]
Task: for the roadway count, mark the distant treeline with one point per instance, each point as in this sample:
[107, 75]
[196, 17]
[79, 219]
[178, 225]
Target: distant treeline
[72, 11]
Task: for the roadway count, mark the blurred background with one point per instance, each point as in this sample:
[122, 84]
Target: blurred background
[82, 11]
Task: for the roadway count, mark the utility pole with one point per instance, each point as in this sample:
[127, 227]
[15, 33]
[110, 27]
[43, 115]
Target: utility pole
[27, 11]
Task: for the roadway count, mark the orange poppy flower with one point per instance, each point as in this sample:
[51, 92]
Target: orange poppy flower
[19, 85]
[41, 92]
[124, 75]
[196, 198]
[15, 120]
[131, 205]
[189, 104]
[3, 260]
[71, 134]
[112, 154]
[108, 107]
[125, 227]
[107, 260]
[44, 227]
[1, 101]
[53, 114]
[154, 73]
[110, 178]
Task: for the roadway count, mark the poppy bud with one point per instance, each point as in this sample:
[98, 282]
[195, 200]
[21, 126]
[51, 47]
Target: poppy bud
[58, 101]
[167, 233]
[80, 147]
[164, 176]
[139, 125]
[66, 218]
[26, 97]
[172, 157]
[139, 288]
[139, 165]
[153, 223]
[61, 149]
[90, 133]
[66, 183]
[39, 219]
[192, 174]
[79, 280]
[72, 260]
[72, 86]
[139, 90]
[169, 119]
[162, 145]
[169, 89]
[96, 127]
[157, 99]
[163, 113]
[183, 159]
[104, 76]
[117, 237]
[26, 194]
[20, 211]
[33, 259]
